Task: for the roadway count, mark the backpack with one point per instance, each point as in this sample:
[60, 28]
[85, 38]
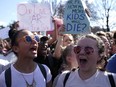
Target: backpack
[8, 80]
[110, 76]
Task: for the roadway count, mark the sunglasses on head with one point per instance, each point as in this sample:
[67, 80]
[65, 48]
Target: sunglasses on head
[29, 39]
[88, 50]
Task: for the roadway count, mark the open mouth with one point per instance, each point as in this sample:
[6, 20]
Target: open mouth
[83, 61]
[34, 49]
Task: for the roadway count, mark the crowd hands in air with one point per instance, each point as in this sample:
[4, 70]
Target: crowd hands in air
[89, 58]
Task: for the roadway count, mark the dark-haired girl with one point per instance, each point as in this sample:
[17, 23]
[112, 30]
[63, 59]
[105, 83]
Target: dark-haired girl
[25, 72]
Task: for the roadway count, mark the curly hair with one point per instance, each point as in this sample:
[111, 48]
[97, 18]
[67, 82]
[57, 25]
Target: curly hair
[101, 49]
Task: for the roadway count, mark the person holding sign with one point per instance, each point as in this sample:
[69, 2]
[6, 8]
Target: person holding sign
[25, 72]
[63, 41]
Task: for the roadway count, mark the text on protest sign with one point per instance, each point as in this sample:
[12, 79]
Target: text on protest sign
[35, 16]
[75, 18]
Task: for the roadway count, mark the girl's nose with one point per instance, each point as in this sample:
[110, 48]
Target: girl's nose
[82, 51]
[34, 41]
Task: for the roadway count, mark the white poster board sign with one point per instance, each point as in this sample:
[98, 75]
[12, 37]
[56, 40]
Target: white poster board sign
[75, 18]
[4, 33]
[35, 16]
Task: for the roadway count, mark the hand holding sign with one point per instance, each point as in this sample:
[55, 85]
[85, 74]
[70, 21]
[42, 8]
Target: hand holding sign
[61, 30]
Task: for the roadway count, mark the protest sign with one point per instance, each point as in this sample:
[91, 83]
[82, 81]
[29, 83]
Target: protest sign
[35, 16]
[75, 18]
[4, 33]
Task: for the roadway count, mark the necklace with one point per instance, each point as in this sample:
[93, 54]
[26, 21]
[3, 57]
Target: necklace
[33, 82]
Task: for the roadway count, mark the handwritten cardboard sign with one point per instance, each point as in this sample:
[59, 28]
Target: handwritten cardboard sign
[4, 33]
[35, 16]
[75, 18]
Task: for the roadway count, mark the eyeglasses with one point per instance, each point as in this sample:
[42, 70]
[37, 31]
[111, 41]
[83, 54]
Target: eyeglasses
[67, 40]
[88, 50]
[29, 39]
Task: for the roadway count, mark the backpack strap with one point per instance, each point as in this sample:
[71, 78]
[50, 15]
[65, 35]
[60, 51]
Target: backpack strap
[43, 70]
[67, 76]
[8, 77]
[111, 79]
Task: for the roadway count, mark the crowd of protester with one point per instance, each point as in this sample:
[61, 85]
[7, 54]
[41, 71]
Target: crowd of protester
[90, 57]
